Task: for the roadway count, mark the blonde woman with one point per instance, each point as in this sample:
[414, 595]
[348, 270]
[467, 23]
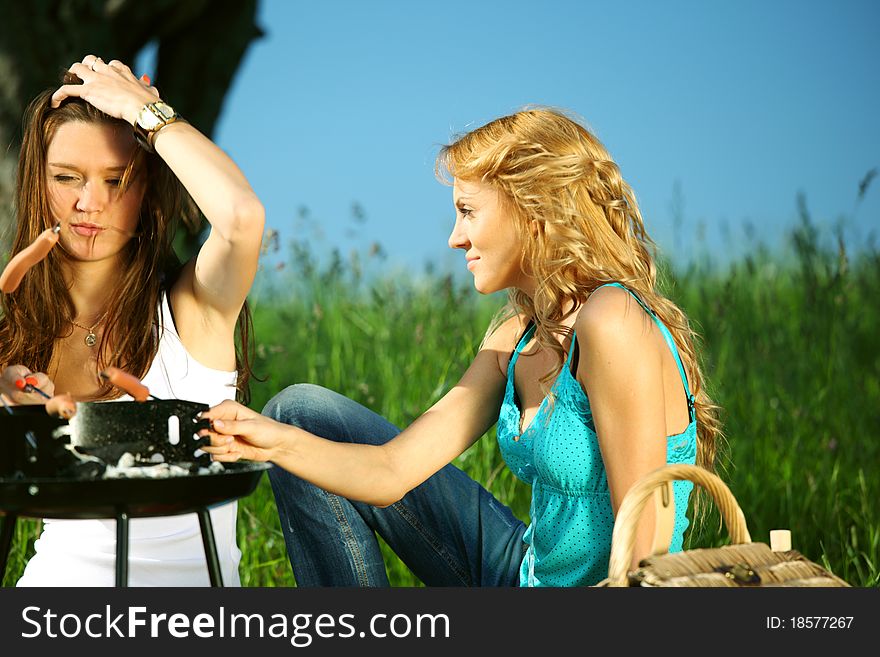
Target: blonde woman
[590, 375]
[97, 160]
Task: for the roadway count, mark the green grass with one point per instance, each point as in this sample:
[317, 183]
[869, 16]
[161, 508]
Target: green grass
[791, 352]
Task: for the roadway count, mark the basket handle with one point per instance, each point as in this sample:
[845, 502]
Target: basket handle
[624, 534]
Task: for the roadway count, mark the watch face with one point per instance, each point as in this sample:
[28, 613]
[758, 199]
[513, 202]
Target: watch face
[165, 110]
[147, 120]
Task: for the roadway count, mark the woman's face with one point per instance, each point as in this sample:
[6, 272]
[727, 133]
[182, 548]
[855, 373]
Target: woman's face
[485, 231]
[85, 163]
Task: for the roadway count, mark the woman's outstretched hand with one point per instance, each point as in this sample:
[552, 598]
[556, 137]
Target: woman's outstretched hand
[110, 87]
[239, 433]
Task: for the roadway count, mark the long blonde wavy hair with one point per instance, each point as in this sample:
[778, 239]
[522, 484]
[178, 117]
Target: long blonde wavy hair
[580, 227]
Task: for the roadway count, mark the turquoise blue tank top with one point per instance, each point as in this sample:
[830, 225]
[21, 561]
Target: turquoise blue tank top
[569, 534]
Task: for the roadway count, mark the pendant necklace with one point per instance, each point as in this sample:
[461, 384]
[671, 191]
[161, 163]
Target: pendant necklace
[91, 338]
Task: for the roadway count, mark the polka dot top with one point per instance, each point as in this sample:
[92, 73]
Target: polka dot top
[569, 535]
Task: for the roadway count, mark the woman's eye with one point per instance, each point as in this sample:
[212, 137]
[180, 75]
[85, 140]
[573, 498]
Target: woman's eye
[465, 212]
[114, 182]
[63, 178]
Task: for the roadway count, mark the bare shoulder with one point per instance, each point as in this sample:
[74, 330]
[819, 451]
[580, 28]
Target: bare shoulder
[181, 298]
[612, 318]
[502, 341]
[188, 307]
[203, 331]
[505, 335]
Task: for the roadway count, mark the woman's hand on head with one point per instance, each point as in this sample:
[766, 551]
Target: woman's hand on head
[238, 432]
[15, 378]
[110, 87]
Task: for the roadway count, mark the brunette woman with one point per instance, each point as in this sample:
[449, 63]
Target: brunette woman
[111, 160]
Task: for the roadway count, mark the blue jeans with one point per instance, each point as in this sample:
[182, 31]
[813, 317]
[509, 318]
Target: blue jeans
[449, 530]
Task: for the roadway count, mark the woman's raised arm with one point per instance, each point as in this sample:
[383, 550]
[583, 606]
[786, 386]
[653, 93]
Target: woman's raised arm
[222, 275]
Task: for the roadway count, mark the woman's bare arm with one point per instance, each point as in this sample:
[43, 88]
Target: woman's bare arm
[379, 475]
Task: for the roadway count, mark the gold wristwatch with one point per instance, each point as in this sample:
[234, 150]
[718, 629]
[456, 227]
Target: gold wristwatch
[152, 118]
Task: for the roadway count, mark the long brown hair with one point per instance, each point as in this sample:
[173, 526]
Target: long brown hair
[41, 309]
[580, 227]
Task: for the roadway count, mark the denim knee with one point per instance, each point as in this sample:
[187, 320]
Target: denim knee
[298, 404]
[330, 415]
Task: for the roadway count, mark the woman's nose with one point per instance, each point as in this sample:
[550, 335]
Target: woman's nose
[458, 238]
[92, 197]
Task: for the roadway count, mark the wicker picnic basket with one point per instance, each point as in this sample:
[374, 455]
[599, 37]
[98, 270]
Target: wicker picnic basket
[741, 564]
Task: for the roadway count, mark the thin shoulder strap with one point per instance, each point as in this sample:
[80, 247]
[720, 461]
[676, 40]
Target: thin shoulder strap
[571, 361]
[670, 342]
[521, 342]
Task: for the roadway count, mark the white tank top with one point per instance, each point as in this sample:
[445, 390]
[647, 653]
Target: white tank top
[164, 551]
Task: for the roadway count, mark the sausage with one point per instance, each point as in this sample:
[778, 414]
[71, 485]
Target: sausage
[27, 258]
[61, 406]
[127, 382]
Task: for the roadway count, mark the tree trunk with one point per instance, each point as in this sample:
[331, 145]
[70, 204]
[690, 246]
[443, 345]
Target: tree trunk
[200, 44]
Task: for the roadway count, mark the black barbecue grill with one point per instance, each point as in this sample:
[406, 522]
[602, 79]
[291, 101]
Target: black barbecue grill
[52, 468]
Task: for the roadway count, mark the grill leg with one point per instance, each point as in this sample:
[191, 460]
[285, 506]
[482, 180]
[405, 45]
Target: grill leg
[210, 548]
[122, 549]
[6, 535]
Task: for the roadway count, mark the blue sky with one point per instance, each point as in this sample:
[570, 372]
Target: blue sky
[718, 114]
